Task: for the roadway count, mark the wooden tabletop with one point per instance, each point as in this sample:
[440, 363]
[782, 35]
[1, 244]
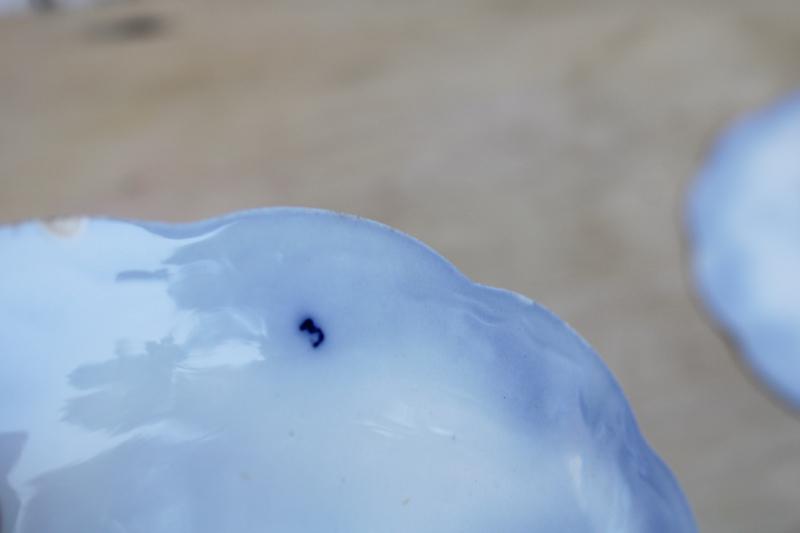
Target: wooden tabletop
[543, 146]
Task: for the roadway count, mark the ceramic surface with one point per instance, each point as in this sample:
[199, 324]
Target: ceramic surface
[293, 370]
[744, 223]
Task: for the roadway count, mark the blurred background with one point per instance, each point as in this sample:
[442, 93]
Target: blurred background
[543, 146]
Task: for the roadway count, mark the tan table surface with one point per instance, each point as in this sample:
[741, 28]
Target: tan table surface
[542, 146]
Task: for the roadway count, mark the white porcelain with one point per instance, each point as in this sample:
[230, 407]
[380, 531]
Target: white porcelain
[744, 225]
[299, 371]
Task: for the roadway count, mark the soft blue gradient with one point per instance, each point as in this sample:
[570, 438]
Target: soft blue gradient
[744, 222]
[155, 380]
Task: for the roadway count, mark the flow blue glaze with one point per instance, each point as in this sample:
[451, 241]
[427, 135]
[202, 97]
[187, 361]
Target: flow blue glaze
[744, 221]
[299, 371]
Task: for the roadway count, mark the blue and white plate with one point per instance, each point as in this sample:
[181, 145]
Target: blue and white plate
[744, 223]
[299, 371]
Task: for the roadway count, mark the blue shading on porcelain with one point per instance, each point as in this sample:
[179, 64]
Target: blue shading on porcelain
[744, 222]
[299, 371]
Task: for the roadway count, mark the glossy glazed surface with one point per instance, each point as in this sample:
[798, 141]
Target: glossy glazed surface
[744, 222]
[299, 371]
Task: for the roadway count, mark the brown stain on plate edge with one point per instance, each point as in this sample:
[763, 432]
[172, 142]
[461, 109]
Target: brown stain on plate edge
[65, 227]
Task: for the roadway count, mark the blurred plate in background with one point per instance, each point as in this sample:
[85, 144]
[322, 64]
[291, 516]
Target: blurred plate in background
[744, 222]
